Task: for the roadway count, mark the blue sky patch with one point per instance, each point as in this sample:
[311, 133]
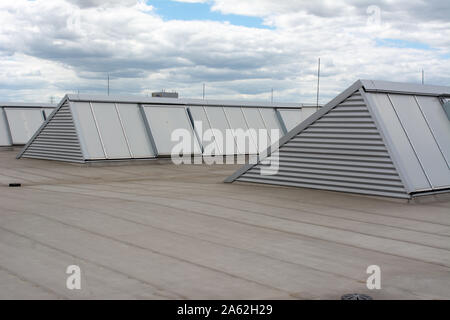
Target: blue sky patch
[172, 10]
[398, 43]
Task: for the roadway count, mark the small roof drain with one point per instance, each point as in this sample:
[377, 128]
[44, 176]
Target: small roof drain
[356, 296]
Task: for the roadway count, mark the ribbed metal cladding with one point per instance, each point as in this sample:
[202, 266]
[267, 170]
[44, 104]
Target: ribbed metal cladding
[57, 140]
[341, 151]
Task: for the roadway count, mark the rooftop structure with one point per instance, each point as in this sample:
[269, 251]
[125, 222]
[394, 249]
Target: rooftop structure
[88, 128]
[377, 138]
[19, 121]
[165, 94]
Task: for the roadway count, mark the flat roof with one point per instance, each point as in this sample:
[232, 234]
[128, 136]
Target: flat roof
[187, 102]
[153, 230]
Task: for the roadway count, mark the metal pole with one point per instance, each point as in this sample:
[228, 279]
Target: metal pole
[318, 83]
[108, 84]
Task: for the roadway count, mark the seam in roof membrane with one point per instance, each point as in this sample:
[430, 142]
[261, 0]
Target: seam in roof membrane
[410, 143]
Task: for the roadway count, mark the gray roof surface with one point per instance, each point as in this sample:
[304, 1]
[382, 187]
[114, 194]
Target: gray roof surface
[155, 230]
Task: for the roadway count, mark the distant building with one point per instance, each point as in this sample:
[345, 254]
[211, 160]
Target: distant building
[164, 94]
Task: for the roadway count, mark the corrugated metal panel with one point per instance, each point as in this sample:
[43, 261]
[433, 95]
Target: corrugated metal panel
[56, 140]
[340, 151]
[5, 139]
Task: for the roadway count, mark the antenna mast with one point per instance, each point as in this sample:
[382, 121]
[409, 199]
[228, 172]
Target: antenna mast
[318, 83]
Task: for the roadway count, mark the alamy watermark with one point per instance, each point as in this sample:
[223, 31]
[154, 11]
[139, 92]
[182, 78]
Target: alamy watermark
[214, 146]
[374, 280]
[73, 281]
[374, 16]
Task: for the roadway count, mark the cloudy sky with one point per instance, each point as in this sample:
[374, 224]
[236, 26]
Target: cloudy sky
[239, 48]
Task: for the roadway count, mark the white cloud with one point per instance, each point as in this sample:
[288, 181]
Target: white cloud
[51, 47]
[104, 3]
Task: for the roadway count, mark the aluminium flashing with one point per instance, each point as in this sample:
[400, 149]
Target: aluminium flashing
[184, 102]
[26, 105]
[405, 88]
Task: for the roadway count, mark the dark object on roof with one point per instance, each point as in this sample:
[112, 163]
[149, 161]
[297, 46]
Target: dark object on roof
[164, 94]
